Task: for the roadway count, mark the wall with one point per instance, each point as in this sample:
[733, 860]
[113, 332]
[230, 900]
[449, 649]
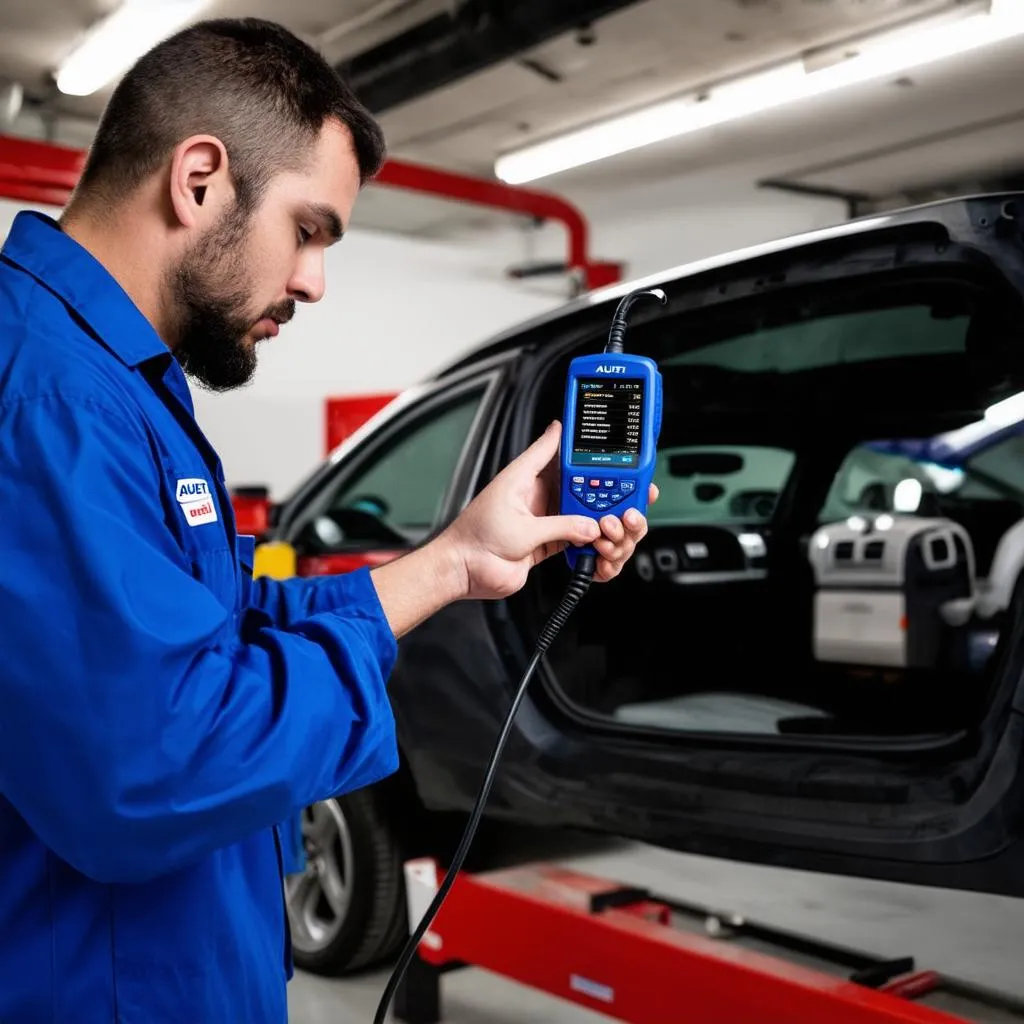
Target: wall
[398, 307]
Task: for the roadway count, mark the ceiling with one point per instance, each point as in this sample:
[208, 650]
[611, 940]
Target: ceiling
[457, 82]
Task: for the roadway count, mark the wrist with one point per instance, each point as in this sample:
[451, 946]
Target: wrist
[450, 569]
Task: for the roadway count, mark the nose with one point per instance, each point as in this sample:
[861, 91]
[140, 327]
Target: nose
[307, 283]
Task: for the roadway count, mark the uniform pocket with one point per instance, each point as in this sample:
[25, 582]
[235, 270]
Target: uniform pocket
[194, 506]
[198, 520]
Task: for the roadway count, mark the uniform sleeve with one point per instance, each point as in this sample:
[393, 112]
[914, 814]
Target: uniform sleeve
[144, 725]
[287, 601]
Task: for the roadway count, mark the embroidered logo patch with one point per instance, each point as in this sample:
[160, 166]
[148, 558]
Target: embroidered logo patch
[196, 501]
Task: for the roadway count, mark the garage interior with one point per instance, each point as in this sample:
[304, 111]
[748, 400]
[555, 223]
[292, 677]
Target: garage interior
[544, 153]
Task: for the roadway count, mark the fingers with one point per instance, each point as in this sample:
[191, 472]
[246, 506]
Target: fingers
[617, 543]
[653, 494]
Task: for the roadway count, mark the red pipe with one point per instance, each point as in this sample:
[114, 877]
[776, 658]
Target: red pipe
[40, 172]
[495, 194]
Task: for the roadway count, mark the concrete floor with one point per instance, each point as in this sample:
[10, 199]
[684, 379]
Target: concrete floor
[976, 938]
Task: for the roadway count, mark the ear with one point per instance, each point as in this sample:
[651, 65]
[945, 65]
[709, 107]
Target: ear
[199, 182]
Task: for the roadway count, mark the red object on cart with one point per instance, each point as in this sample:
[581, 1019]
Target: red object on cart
[623, 953]
[252, 510]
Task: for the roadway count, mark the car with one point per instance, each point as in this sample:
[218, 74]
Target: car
[797, 667]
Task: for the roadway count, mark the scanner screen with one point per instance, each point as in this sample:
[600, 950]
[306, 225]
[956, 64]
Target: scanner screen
[609, 420]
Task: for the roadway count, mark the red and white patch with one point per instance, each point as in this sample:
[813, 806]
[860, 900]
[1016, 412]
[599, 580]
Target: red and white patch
[196, 501]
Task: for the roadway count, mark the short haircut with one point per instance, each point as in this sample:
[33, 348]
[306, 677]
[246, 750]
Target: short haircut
[254, 85]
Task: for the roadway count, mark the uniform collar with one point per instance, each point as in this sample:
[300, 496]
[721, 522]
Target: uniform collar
[38, 246]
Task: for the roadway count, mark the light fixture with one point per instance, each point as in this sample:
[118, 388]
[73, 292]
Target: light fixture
[115, 42]
[885, 54]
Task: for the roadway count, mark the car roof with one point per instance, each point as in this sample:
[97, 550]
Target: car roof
[521, 333]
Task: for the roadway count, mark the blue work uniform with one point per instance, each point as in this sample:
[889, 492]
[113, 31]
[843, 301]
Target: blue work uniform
[160, 710]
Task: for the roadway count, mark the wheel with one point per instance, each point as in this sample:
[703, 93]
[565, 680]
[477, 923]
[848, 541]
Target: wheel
[347, 910]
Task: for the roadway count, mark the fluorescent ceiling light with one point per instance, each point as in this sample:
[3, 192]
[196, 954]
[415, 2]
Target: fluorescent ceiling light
[114, 43]
[893, 53]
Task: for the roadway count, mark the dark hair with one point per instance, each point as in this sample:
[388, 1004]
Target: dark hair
[251, 83]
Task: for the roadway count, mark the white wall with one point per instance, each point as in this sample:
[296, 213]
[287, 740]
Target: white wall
[397, 308]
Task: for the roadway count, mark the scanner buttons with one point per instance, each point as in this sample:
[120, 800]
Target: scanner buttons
[601, 493]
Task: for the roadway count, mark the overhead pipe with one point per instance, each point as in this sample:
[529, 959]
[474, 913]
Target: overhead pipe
[38, 172]
[497, 195]
[42, 172]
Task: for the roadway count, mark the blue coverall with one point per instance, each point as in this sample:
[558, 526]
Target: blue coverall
[160, 710]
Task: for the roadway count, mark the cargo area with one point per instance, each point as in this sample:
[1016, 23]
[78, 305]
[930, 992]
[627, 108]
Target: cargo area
[829, 556]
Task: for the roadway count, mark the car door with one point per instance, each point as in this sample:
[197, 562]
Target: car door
[822, 704]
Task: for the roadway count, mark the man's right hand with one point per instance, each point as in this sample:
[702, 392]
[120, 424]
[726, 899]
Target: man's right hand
[508, 528]
[511, 525]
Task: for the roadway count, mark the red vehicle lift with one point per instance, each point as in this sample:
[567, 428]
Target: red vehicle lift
[634, 956]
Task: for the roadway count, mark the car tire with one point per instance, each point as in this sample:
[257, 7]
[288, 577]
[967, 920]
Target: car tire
[347, 910]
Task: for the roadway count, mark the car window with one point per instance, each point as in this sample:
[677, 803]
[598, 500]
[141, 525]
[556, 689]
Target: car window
[887, 476]
[874, 480]
[999, 469]
[717, 483]
[397, 497]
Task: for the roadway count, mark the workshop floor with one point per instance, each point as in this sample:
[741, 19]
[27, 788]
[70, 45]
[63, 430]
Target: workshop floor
[973, 937]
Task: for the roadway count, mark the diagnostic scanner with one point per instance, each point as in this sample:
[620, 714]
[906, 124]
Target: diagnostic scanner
[610, 429]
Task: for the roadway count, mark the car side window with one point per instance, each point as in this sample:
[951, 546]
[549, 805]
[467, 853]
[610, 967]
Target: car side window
[719, 483]
[396, 498]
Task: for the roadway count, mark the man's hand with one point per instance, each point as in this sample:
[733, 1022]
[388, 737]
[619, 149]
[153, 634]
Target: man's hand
[511, 526]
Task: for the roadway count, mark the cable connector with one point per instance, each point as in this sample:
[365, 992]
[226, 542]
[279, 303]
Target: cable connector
[617, 332]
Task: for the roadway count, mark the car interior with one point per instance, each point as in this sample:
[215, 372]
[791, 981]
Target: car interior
[809, 570]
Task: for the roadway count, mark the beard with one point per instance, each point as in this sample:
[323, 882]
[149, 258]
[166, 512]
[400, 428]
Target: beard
[209, 291]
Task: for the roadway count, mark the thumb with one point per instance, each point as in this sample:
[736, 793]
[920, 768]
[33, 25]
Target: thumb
[543, 450]
[568, 529]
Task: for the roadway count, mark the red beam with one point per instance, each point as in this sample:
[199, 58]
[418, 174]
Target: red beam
[39, 172]
[535, 925]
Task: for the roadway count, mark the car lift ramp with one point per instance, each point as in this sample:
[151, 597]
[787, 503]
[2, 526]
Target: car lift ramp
[634, 956]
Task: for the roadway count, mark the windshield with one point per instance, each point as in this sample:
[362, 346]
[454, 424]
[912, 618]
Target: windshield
[719, 483]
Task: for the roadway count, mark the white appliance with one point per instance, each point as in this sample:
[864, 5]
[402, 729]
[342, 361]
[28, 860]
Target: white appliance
[881, 585]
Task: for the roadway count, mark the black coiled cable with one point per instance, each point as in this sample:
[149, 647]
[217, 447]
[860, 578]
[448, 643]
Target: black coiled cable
[577, 587]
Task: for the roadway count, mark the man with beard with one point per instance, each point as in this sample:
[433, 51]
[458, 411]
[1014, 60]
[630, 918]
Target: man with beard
[160, 710]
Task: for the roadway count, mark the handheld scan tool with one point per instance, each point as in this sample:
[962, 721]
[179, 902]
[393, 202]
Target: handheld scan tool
[610, 428]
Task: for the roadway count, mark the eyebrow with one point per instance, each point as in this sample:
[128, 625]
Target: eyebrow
[329, 219]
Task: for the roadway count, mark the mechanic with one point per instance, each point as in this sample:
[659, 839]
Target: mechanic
[162, 710]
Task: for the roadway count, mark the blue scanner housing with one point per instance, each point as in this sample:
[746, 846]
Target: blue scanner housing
[610, 429]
